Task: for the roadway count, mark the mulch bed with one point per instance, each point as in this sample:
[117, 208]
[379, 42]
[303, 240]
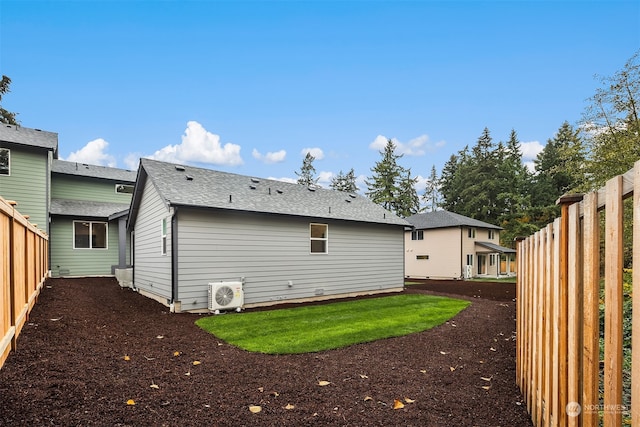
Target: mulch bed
[70, 368]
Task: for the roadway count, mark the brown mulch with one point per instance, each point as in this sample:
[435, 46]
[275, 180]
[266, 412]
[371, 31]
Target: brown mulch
[70, 368]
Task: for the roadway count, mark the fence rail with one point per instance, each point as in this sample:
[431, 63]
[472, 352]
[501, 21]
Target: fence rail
[559, 366]
[23, 269]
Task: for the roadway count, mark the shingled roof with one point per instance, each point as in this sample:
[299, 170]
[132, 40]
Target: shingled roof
[196, 187]
[446, 219]
[93, 171]
[86, 208]
[29, 137]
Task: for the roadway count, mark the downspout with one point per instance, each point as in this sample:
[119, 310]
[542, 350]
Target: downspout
[462, 266]
[174, 258]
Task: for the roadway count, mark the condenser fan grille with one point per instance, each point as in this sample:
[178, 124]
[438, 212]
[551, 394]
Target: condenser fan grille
[224, 296]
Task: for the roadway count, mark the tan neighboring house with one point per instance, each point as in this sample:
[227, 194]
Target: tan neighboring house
[446, 245]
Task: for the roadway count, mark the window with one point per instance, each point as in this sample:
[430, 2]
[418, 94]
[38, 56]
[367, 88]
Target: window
[417, 235]
[472, 233]
[422, 256]
[163, 237]
[4, 161]
[492, 259]
[318, 235]
[469, 259]
[124, 188]
[491, 234]
[89, 235]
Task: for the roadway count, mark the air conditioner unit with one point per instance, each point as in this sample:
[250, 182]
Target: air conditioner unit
[225, 296]
[468, 272]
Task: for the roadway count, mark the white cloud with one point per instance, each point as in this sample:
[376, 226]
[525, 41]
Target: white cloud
[415, 147]
[530, 151]
[421, 184]
[324, 178]
[317, 153]
[202, 146]
[94, 154]
[132, 161]
[270, 157]
[361, 183]
[285, 179]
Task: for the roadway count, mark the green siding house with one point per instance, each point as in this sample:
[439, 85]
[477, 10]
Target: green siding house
[25, 170]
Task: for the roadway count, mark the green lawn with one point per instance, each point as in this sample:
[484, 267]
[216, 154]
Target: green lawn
[323, 327]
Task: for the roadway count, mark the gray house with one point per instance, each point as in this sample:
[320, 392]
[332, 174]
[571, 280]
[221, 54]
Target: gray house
[272, 241]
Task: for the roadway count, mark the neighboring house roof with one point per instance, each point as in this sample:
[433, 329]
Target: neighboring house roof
[446, 219]
[196, 187]
[93, 171]
[496, 248]
[16, 134]
[84, 208]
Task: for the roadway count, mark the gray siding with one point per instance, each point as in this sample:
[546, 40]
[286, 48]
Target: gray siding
[84, 188]
[67, 261]
[152, 270]
[269, 251]
[27, 184]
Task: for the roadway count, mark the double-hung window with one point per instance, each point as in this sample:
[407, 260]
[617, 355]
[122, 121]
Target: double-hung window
[319, 236]
[5, 164]
[417, 235]
[89, 235]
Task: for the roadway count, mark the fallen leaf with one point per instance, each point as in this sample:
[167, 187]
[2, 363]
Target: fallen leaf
[407, 400]
[274, 394]
[323, 383]
[156, 386]
[131, 402]
[160, 337]
[55, 320]
[176, 353]
[127, 358]
[492, 349]
[486, 387]
[188, 373]
[443, 352]
[149, 358]
[255, 408]
[363, 376]
[196, 362]
[289, 406]
[485, 378]
[397, 404]
[260, 389]
[451, 368]
[424, 371]
[368, 398]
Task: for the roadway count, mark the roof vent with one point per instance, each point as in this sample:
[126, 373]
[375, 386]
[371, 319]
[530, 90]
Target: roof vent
[279, 191]
[347, 200]
[311, 188]
[255, 180]
[189, 178]
[180, 168]
[353, 196]
[253, 187]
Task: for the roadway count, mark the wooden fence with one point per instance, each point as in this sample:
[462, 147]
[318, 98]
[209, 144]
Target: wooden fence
[560, 372]
[23, 269]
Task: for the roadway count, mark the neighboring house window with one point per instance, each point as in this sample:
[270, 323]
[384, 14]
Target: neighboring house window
[491, 234]
[164, 237]
[469, 259]
[318, 235]
[492, 259]
[417, 235]
[89, 235]
[5, 161]
[124, 188]
[472, 234]
[422, 256]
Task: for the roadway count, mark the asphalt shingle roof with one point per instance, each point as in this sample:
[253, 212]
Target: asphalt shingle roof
[446, 219]
[191, 186]
[496, 248]
[29, 137]
[83, 208]
[93, 171]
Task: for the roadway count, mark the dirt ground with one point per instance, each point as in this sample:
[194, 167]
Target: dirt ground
[93, 353]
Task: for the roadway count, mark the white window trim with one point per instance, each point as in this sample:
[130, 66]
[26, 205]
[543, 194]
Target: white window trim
[122, 185]
[325, 239]
[90, 243]
[8, 162]
[163, 236]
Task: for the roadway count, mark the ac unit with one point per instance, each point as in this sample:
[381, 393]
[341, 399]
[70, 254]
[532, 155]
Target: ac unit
[468, 272]
[225, 296]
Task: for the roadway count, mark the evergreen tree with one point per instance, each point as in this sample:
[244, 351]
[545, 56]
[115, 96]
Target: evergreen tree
[383, 186]
[307, 174]
[344, 182]
[431, 196]
[407, 202]
[6, 117]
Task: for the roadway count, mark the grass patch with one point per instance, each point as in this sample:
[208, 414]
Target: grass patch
[323, 327]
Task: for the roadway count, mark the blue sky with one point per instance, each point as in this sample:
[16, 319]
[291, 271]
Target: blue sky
[249, 87]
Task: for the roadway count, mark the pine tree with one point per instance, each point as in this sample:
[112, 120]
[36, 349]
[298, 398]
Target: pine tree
[383, 186]
[345, 182]
[307, 174]
[431, 194]
[6, 117]
[407, 202]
